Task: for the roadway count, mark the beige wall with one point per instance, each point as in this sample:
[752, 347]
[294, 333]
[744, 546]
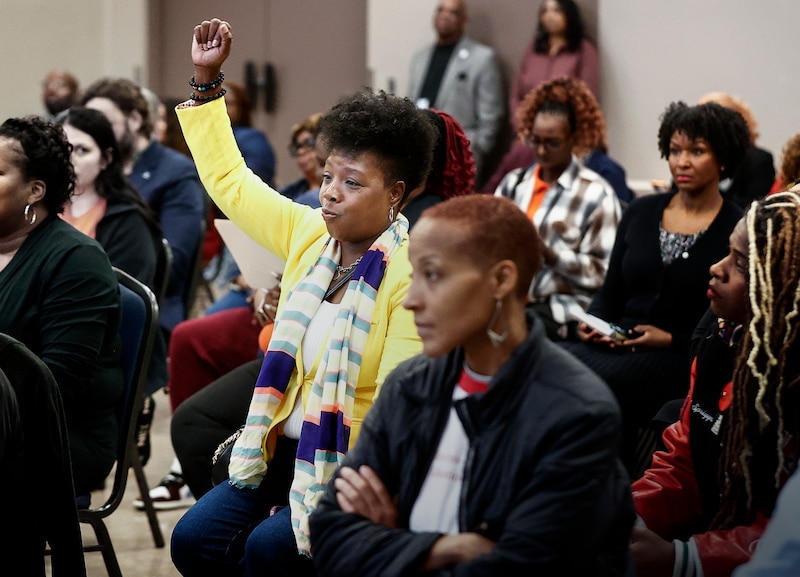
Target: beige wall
[91, 38]
[652, 52]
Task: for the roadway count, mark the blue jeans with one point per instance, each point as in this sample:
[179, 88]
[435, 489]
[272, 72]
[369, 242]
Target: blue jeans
[229, 531]
[230, 300]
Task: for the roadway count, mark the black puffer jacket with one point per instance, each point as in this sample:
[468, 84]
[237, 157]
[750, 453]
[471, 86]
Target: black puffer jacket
[542, 478]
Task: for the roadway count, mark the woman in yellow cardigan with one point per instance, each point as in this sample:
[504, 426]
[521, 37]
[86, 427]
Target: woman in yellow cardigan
[340, 326]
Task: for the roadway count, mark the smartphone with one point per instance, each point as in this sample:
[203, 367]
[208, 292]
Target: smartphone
[601, 326]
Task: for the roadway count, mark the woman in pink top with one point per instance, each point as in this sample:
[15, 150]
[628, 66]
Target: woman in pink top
[559, 48]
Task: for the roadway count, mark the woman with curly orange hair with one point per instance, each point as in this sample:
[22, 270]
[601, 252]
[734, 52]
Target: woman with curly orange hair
[591, 149]
[574, 208]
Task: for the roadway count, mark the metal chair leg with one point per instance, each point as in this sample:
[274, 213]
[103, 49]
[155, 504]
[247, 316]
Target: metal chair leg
[144, 491]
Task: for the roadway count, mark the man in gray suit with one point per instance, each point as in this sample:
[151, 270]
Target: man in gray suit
[461, 77]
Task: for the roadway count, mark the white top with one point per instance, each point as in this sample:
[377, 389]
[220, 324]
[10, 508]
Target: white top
[314, 342]
[437, 506]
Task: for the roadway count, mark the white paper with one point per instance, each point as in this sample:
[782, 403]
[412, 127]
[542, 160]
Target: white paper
[260, 267]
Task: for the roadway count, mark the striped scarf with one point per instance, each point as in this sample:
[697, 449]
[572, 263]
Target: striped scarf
[325, 433]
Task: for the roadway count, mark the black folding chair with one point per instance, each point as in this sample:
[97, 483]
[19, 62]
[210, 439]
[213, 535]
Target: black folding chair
[137, 333]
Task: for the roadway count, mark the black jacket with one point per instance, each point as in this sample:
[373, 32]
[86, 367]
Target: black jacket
[639, 289]
[542, 477]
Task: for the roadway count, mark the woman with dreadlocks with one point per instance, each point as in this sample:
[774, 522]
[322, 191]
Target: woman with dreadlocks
[706, 500]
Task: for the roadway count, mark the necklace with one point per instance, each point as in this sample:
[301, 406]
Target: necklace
[340, 270]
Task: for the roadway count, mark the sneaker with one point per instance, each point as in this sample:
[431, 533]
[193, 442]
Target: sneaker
[171, 493]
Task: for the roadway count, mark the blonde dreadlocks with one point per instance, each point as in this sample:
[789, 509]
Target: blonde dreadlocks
[761, 444]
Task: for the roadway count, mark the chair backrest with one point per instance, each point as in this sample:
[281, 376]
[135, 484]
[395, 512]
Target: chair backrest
[40, 506]
[163, 269]
[195, 276]
[137, 331]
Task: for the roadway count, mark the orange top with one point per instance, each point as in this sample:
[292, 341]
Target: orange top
[87, 222]
[540, 187]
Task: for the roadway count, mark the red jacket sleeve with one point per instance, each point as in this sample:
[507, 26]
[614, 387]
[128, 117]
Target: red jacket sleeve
[722, 551]
[666, 496]
[668, 500]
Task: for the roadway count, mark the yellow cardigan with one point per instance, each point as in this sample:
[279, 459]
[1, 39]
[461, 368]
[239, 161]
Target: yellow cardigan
[297, 233]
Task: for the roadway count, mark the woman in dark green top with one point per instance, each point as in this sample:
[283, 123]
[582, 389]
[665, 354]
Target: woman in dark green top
[58, 293]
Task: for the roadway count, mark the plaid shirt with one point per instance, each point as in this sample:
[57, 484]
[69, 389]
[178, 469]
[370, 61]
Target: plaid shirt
[578, 220]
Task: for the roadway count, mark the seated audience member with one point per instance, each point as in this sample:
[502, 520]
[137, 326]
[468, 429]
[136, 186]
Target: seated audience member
[789, 174]
[104, 204]
[168, 183]
[206, 419]
[560, 47]
[756, 173]
[302, 147]
[494, 452]
[33, 436]
[592, 153]
[657, 277]
[705, 501]
[165, 179]
[58, 293]
[60, 90]
[340, 327]
[575, 210]
[453, 170]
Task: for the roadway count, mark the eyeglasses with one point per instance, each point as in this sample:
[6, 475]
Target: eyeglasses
[548, 143]
[297, 147]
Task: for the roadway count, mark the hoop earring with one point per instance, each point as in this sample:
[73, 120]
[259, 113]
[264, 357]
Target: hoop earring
[391, 214]
[496, 338]
[28, 208]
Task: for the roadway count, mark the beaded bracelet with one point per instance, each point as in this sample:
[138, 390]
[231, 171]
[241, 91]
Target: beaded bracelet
[207, 85]
[209, 98]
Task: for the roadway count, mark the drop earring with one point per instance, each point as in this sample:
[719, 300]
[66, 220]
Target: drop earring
[391, 214]
[496, 338]
[29, 208]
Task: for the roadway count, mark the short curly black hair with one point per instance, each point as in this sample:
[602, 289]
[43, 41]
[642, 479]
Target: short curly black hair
[45, 156]
[724, 129]
[389, 126]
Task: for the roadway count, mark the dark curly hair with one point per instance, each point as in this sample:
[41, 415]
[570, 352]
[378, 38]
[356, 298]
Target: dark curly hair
[790, 163]
[724, 129]
[126, 95]
[389, 126]
[571, 97]
[45, 156]
[575, 30]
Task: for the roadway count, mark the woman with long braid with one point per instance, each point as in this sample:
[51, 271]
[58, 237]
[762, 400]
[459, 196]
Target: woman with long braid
[706, 501]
